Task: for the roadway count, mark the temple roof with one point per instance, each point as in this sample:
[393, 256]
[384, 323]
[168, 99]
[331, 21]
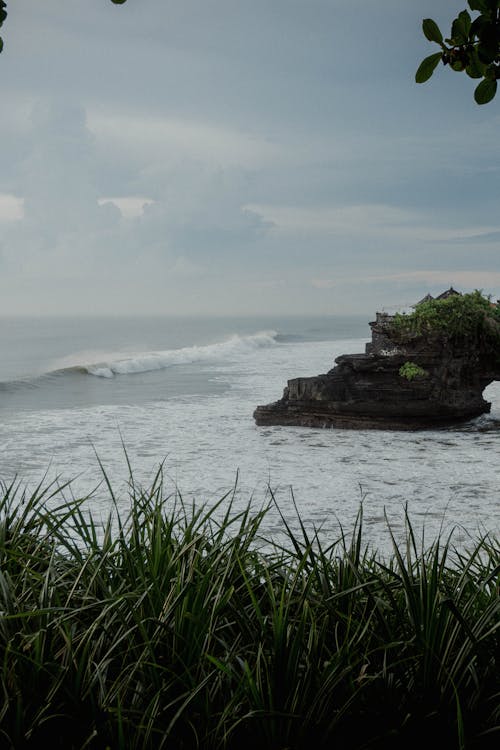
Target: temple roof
[449, 293]
[427, 298]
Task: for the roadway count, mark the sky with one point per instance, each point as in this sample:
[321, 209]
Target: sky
[239, 157]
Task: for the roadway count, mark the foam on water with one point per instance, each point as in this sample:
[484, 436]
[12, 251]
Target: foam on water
[149, 361]
[205, 435]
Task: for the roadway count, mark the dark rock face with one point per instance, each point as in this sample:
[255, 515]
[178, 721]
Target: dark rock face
[367, 391]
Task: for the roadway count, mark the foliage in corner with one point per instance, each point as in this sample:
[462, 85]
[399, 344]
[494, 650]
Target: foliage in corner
[3, 14]
[473, 46]
[460, 318]
[410, 371]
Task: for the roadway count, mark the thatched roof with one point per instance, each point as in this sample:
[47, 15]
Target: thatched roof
[449, 293]
[427, 298]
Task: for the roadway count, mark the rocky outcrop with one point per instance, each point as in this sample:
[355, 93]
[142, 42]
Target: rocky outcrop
[366, 391]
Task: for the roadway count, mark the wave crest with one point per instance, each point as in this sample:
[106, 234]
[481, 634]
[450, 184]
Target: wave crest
[148, 361]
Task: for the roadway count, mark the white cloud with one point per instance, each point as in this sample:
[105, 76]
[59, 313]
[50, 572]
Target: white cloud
[11, 207]
[334, 219]
[127, 248]
[164, 139]
[210, 147]
[130, 207]
[367, 221]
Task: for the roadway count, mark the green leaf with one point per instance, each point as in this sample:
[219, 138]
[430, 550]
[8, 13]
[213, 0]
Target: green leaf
[427, 67]
[488, 44]
[477, 25]
[485, 92]
[475, 68]
[466, 21]
[488, 7]
[477, 5]
[118, 2]
[460, 28]
[1, 44]
[473, 71]
[431, 31]
[486, 53]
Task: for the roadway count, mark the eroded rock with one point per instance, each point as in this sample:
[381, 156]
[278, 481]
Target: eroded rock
[366, 391]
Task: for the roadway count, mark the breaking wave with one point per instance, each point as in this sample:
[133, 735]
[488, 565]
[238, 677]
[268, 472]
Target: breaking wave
[159, 360]
[233, 347]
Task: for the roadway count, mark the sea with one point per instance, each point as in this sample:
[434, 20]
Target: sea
[179, 393]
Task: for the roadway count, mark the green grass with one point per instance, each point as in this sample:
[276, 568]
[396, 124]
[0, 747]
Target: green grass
[180, 627]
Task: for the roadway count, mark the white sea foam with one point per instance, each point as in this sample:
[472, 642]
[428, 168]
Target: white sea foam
[204, 434]
[232, 347]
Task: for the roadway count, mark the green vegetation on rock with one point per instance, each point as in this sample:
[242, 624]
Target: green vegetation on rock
[461, 318]
[410, 371]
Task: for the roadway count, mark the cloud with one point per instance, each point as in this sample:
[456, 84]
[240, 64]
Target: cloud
[468, 279]
[430, 278]
[11, 207]
[366, 221]
[486, 236]
[69, 236]
[181, 158]
[165, 139]
[393, 291]
[336, 219]
[130, 206]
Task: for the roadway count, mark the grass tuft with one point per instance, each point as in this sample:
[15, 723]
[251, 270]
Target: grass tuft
[178, 627]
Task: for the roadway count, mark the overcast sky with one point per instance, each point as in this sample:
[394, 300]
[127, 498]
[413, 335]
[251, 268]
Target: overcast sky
[238, 156]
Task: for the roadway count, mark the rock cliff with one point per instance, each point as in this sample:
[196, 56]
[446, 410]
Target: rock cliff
[406, 380]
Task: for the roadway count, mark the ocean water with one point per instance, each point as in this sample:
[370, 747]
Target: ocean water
[181, 392]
